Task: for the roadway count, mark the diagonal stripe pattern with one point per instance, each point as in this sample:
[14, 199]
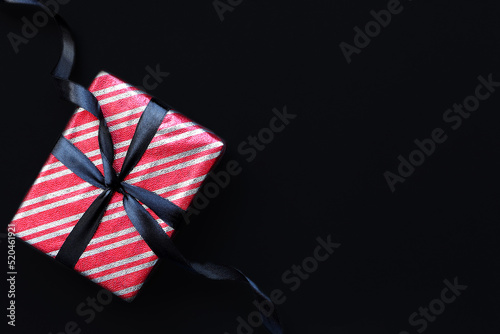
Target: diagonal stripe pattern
[174, 166]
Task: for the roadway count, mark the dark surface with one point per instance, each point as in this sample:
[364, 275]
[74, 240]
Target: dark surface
[323, 175]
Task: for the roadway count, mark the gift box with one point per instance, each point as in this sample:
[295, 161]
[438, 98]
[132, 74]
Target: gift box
[174, 165]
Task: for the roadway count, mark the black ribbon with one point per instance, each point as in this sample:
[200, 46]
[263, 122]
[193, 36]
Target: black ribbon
[112, 182]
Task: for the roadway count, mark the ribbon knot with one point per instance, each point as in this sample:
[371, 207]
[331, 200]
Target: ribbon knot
[115, 185]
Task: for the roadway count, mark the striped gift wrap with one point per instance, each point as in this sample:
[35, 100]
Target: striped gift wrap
[174, 166]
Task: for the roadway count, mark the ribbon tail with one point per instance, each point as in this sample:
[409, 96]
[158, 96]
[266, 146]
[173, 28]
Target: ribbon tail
[66, 60]
[164, 248]
[226, 273]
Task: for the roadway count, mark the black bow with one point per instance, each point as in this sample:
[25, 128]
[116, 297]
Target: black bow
[78, 163]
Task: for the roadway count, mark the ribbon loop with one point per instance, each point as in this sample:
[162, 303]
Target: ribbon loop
[78, 163]
[166, 210]
[147, 127]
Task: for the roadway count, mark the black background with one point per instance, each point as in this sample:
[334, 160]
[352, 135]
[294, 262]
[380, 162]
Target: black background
[323, 175]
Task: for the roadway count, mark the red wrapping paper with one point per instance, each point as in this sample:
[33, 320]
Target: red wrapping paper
[174, 166]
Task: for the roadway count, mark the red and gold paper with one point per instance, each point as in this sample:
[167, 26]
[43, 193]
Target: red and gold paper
[174, 166]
